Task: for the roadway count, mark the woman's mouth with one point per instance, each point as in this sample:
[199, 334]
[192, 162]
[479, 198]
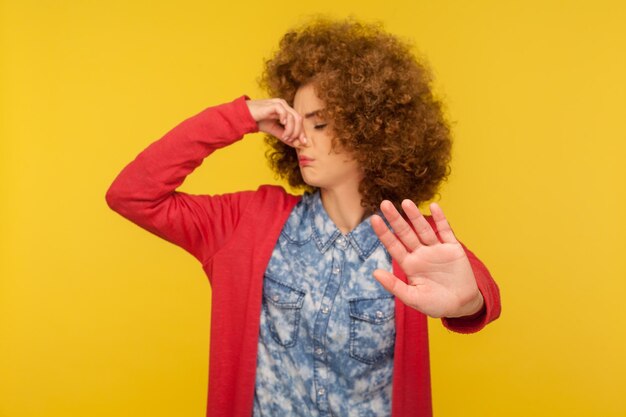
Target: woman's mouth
[304, 160]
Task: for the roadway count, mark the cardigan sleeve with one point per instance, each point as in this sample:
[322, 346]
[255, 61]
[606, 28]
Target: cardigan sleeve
[145, 193]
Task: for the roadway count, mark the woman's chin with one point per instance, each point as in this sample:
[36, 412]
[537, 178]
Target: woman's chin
[312, 184]
[308, 180]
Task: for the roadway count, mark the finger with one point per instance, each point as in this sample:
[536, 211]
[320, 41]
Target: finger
[443, 227]
[395, 248]
[408, 294]
[272, 127]
[419, 222]
[400, 227]
[278, 112]
[289, 125]
[293, 120]
[298, 126]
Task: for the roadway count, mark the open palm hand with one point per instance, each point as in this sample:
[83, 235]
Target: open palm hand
[440, 281]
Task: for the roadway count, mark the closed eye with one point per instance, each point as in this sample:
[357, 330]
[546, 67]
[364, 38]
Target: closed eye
[320, 126]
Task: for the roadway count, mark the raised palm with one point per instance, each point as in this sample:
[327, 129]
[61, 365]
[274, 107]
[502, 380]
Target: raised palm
[440, 281]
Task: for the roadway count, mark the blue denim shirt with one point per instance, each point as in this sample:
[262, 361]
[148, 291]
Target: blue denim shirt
[327, 326]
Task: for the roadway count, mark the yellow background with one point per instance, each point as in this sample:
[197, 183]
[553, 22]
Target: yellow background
[100, 318]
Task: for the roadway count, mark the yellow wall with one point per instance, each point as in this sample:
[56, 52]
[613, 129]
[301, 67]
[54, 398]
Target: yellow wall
[99, 318]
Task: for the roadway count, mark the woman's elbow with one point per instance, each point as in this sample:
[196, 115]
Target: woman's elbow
[115, 198]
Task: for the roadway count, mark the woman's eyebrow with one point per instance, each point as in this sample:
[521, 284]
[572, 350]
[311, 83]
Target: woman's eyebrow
[313, 113]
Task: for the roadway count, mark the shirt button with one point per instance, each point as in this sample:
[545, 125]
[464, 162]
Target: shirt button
[325, 310]
[379, 314]
[319, 351]
[336, 270]
[321, 391]
[276, 297]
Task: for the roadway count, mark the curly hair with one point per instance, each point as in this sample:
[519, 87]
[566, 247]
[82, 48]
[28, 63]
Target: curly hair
[378, 97]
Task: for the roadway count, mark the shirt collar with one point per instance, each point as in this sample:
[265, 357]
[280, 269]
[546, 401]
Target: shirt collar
[362, 238]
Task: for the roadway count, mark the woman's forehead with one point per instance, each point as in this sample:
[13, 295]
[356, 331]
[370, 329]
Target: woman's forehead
[306, 102]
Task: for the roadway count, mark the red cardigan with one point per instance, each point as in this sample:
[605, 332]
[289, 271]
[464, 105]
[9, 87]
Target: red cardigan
[233, 236]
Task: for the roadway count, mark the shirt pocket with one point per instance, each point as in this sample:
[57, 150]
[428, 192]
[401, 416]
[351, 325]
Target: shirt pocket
[282, 304]
[372, 329]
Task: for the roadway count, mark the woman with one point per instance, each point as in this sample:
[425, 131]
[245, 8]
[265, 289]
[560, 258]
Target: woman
[299, 325]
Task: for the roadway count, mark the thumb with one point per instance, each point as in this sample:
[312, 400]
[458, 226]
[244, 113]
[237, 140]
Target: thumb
[396, 286]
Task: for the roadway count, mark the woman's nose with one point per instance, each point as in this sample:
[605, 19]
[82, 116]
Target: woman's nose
[301, 141]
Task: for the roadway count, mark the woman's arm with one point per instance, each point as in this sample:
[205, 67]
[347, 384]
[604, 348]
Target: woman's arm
[145, 191]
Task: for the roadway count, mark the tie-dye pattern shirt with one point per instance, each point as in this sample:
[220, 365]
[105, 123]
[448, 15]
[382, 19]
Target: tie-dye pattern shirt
[327, 326]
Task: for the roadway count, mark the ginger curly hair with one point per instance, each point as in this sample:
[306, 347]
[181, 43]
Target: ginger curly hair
[378, 97]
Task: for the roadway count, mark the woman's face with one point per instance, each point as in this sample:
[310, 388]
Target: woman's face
[321, 165]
